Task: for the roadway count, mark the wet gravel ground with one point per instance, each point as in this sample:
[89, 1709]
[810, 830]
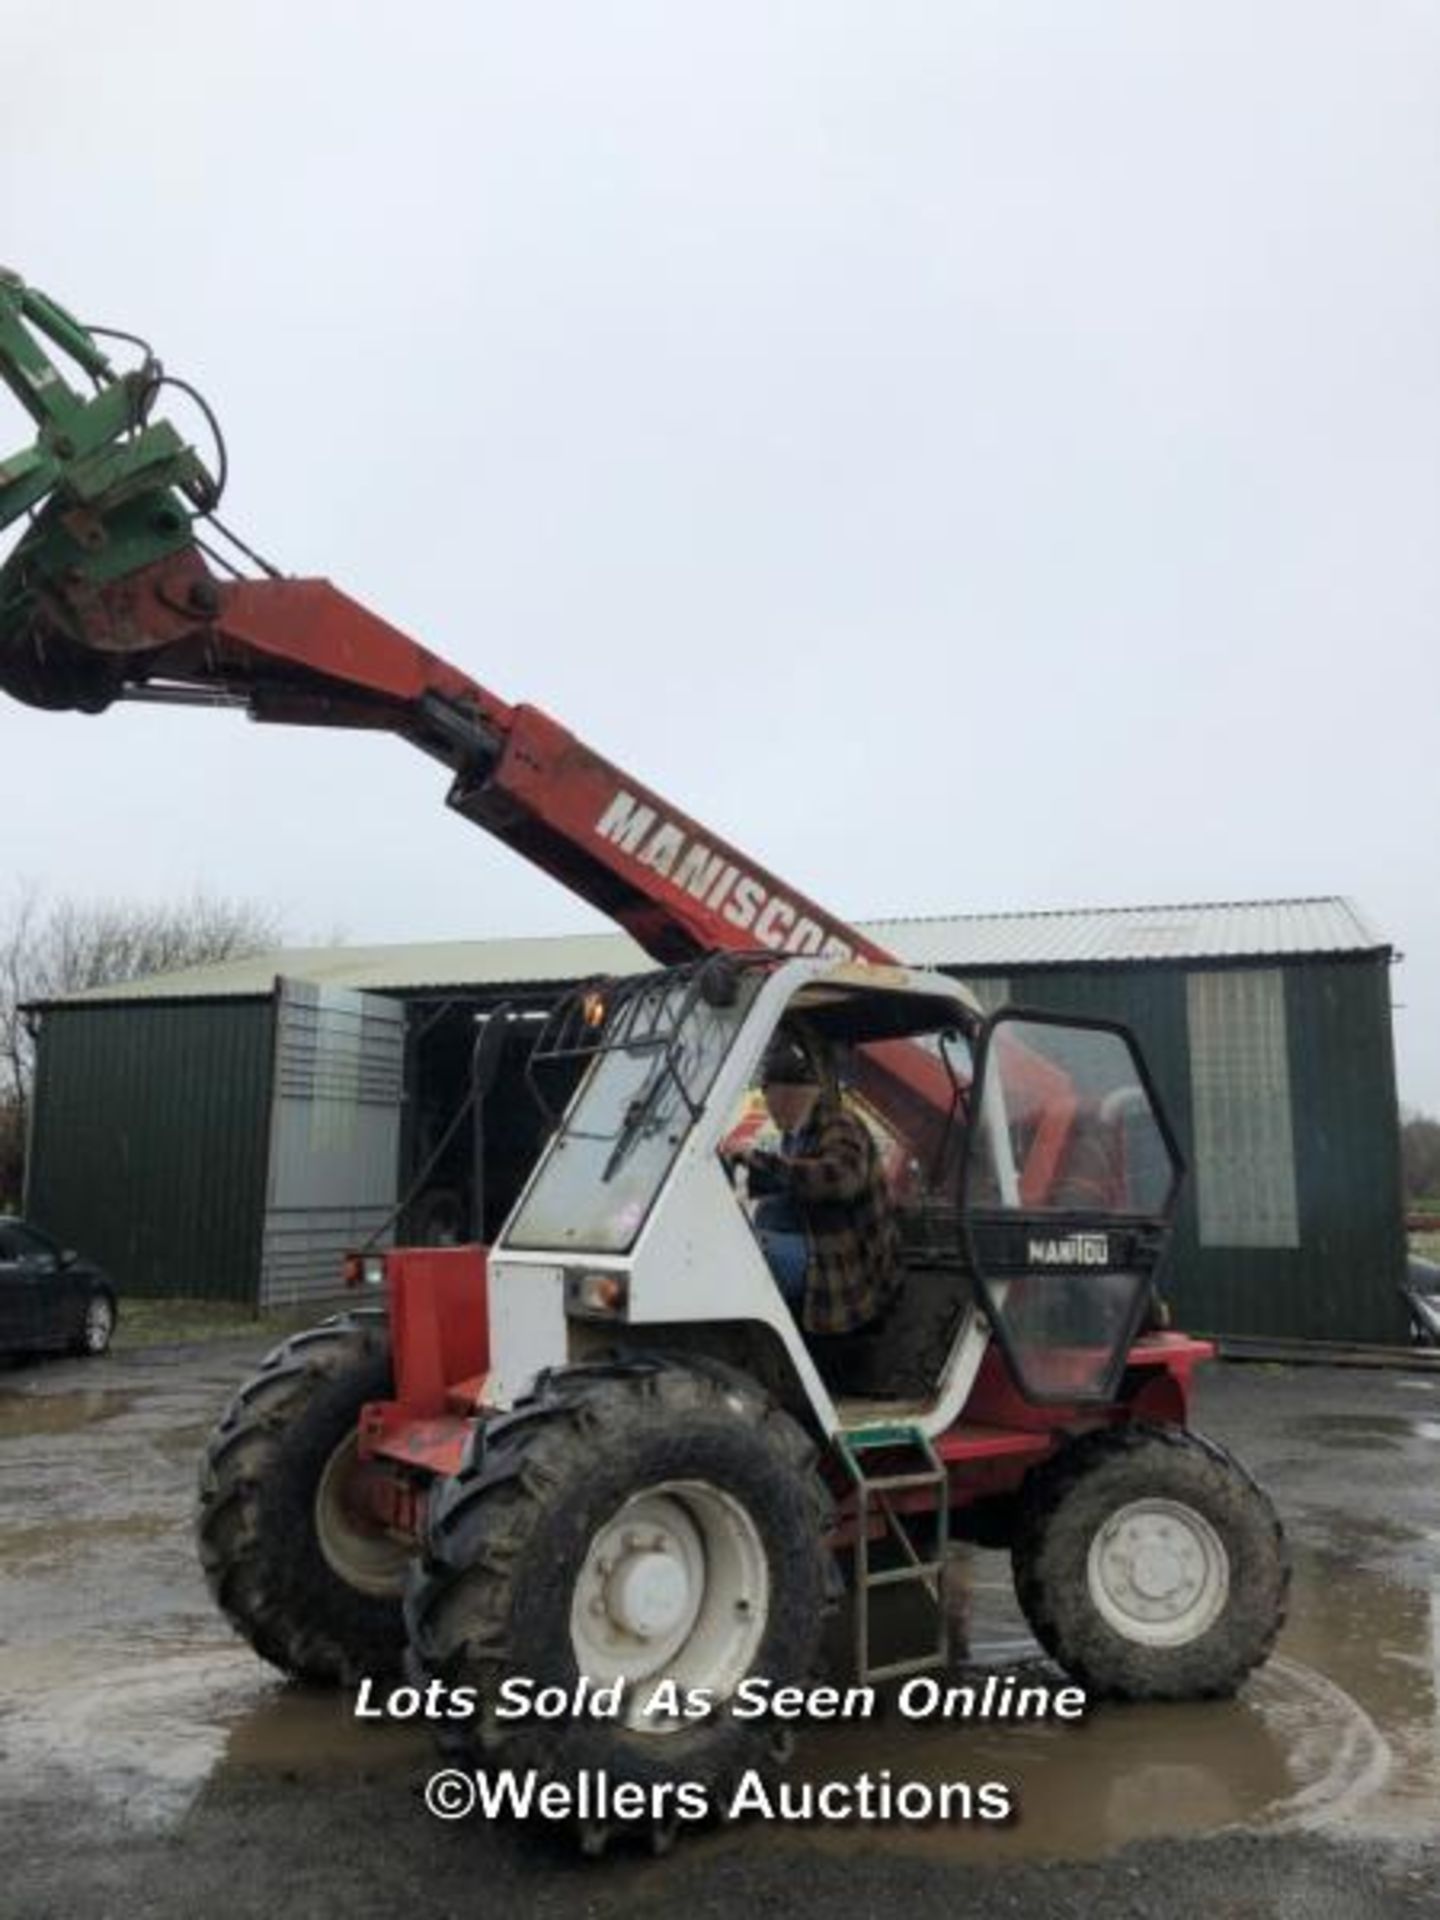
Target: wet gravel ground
[151, 1765]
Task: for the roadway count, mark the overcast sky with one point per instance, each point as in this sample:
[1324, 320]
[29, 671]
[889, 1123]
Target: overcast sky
[975, 456]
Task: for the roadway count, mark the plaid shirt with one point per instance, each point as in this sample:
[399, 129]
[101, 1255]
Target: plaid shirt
[839, 1187]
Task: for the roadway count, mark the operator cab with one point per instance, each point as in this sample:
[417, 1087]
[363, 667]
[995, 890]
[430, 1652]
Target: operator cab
[1029, 1172]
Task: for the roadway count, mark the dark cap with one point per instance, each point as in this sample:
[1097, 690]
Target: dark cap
[788, 1065]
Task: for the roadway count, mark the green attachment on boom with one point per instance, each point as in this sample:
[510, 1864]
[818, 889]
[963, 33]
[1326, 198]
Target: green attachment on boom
[109, 489]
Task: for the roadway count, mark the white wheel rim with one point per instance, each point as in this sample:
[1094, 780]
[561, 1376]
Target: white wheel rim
[363, 1554]
[675, 1586]
[97, 1324]
[1159, 1574]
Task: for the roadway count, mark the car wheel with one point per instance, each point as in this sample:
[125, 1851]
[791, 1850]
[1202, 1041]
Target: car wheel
[96, 1326]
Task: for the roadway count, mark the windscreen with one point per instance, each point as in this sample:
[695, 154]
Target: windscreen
[602, 1171]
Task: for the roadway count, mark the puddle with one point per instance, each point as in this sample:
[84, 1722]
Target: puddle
[1296, 1748]
[183, 1444]
[60, 1545]
[1367, 1430]
[1355, 1432]
[1378, 1543]
[119, 1683]
[1376, 1641]
[146, 1734]
[298, 1734]
[139, 1738]
[1340, 1730]
[22, 1414]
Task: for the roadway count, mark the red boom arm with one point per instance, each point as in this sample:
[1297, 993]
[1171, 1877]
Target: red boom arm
[302, 652]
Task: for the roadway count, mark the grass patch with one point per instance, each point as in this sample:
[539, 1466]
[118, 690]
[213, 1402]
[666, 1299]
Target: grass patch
[1427, 1245]
[154, 1323]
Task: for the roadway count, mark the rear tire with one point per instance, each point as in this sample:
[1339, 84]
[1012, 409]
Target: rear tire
[1150, 1565]
[642, 1521]
[313, 1588]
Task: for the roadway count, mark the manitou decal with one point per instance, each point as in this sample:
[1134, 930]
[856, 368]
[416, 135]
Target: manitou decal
[1071, 1250]
[748, 904]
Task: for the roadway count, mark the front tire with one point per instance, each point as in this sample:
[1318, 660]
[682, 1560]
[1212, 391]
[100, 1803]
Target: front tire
[643, 1523]
[295, 1567]
[97, 1325]
[1150, 1565]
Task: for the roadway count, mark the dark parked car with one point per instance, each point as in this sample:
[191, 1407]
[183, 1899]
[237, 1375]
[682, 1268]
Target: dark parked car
[50, 1299]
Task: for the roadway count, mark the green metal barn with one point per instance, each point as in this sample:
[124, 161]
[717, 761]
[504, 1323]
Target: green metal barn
[229, 1130]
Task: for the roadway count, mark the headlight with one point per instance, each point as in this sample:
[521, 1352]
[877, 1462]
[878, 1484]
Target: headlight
[364, 1269]
[605, 1295]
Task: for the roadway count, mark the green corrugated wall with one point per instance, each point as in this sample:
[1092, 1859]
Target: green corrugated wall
[1341, 1282]
[151, 1130]
[1342, 1075]
[149, 1141]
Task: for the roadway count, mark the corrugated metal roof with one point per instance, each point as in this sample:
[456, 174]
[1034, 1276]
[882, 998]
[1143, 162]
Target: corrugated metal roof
[376, 969]
[977, 942]
[1225, 930]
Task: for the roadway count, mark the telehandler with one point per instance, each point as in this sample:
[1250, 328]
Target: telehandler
[602, 1449]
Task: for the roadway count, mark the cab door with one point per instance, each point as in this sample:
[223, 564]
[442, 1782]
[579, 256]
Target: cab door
[1068, 1191]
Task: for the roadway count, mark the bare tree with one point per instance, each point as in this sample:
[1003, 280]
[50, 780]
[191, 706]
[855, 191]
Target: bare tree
[49, 948]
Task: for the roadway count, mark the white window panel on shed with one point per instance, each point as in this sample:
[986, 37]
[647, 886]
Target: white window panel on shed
[334, 1134]
[1240, 1107]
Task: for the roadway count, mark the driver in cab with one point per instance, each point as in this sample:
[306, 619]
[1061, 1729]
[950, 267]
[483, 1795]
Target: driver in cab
[824, 1216]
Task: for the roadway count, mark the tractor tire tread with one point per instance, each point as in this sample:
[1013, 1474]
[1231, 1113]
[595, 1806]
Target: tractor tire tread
[315, 1629]
[462, 1611]
[1052, 1589]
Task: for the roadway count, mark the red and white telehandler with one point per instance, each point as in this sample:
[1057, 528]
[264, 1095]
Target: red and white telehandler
[601, 1449]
